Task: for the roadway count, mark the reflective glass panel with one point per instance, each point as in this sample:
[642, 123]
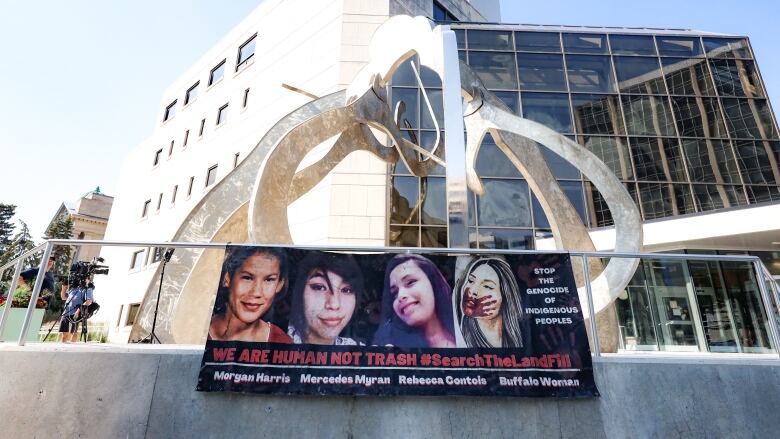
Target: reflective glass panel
[753, 159]
[656, 200]
[657, 159]
[762, 194]
[726, 47]
[495, 69]
[460, 37]
[612, 151]
[716, 196]
[540, 219]
[434, 201]
[410, 99]
[427, 141]
[246, 51]
[435, 99]
[404, 75]
[736, 77]
[687, 76]
[648, 115]
[632, 44]
[404, 201]
[404, 236]
[541, 72]
[591, 74]
[505, 239]
[560, 168]
[683, 199]
[537, 42]
[596, 114]
[585, 43]
[715, 311]
[749, 118]
[746, 306]
[710, 160]
[490, 40]
[573, 191]
[491, 162]
[510, 99]
[433, 237]
[550, 109]
[678, 46]
[698, 117]
[639, 75]
[505, 203]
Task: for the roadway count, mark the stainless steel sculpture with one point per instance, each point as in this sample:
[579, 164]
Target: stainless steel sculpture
[238, 211]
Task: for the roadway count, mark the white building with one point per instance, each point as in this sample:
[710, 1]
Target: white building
[218, 110]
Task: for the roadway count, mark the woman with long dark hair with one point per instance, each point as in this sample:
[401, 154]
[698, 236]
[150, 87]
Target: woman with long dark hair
[416, 305]
[487, 305]
[326, 292]
[250, 280]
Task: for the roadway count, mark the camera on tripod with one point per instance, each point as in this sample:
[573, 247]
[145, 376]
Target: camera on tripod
[82, 271]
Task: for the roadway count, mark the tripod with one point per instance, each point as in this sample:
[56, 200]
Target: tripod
[82, 313]
[152, 338]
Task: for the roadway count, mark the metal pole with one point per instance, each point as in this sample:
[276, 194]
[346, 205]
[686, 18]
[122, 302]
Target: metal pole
[35, 292]
[454, 144]
[771, 322]
[9, 298]
[591, 309]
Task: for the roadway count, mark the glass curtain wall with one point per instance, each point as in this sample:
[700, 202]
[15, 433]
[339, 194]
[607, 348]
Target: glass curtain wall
[682, 120]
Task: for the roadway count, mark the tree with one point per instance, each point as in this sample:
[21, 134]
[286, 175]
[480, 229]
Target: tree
[7, 211]
[20, 243]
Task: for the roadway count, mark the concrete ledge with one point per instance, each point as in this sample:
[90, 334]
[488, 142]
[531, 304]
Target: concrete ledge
[148, 391]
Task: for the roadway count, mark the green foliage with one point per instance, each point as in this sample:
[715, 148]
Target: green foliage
[20, 243]
[7, 211]
[60, 228]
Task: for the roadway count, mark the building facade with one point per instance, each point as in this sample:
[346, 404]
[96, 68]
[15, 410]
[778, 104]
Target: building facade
[90, 215]
[681, 117]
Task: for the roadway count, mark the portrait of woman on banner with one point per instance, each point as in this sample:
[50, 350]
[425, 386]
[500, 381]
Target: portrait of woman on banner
[251, 278]
[326, 292]
[416, 305]
[487, 304]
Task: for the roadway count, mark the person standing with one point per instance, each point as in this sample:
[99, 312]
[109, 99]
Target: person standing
[81, 294]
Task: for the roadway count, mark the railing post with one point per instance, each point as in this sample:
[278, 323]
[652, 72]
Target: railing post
[771, 322]
[591, 308]
[35, 292]
[10, 296]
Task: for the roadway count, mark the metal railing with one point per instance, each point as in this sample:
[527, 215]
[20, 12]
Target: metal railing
[768, 289]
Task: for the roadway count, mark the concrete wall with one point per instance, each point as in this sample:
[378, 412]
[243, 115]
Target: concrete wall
[134, 392]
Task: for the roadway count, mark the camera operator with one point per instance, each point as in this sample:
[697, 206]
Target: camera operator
[80, 294]
[48, 279]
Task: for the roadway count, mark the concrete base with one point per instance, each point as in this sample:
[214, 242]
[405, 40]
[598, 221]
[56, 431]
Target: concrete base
[148, 391]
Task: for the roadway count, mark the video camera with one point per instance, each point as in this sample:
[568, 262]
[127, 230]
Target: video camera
[82, 271]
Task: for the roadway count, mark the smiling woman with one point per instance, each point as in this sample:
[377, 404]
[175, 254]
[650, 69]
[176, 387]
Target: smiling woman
[251, 278]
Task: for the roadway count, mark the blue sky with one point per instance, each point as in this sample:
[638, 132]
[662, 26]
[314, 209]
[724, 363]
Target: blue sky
[81, 81]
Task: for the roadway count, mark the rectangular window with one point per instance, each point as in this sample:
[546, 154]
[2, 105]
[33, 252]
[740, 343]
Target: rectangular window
[235, 159]
[211, 175]
[186, 137]
[222, 114]
[170, 111]
[158, 254]
[159, 201]
[173, 194]
[189, 189]
[217, 73]
[246, 51]
[192, 93]
[202, 126]
[119, 317]
[145, 210]
[170, 149]
[132, 313]
[137, 260]
[157, 155]
[246, 98]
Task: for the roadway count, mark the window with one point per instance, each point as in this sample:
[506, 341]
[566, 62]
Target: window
[222, 114]
[137, 260]
[246, 98]
[186, 137]
[440, 13]
[246, 51]
[145, 210]
[119, 317]
[211, 175]
[132, 313]
[202, 125]
[189, 189]
[157, 255]
[159, 201]
[173, 194]
[170, 111]
[170, 149]
[235, 159]
[157, 155]
[192, 93]
[217, 73]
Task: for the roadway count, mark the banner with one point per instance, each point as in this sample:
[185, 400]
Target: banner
[293, 321]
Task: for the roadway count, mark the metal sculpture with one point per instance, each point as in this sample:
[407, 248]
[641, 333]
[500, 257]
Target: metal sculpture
[234, 211]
